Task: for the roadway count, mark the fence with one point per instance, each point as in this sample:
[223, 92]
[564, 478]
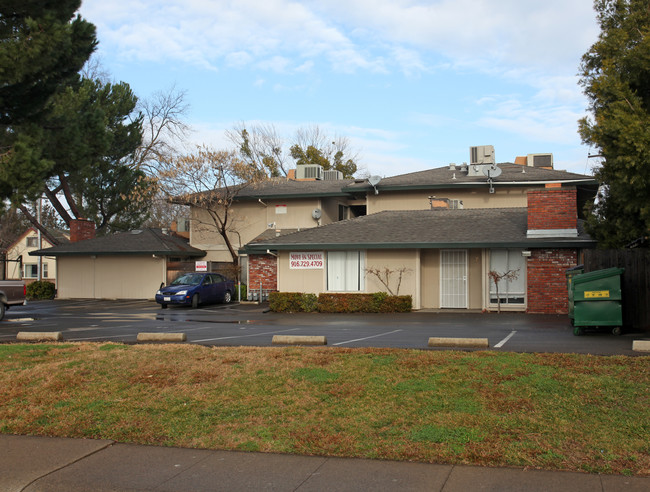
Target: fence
[635, 281]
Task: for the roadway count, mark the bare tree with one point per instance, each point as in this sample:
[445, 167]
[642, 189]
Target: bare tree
[497, 277]
[386, 275]
[164, 129]
[209, 180]
[261, 147]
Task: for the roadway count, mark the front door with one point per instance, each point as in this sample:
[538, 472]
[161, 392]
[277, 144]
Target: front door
[453, 278]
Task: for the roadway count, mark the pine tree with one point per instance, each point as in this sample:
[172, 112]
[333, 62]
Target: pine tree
[615, 75]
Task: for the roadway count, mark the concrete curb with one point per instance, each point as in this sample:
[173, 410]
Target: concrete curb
[298, 340]
[458, 342]
[641, 345]
[36, 336]
[162, 337]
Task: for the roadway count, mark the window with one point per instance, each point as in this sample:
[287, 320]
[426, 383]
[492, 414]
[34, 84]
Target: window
[45, 274]
[510, 291]
[32, 242]
[346, 271]
[344, 212]
[31, 270]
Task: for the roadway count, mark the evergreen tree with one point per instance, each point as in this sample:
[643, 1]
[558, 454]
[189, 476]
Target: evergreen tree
[41, 49]
[615, 74]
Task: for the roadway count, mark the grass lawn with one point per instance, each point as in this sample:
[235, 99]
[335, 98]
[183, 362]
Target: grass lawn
[550, 411]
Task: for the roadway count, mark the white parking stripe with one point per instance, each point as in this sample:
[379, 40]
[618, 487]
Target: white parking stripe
[503, 342]
[366, 338]
[243, 336]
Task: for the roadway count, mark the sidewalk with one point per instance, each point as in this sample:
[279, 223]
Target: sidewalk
[71, 465]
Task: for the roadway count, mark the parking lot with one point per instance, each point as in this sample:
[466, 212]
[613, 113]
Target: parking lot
[235, 325]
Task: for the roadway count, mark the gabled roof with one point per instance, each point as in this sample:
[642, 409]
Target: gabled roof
[139, 242]
[58, 234]
[281, 188]
[444, 177]
[438, 228]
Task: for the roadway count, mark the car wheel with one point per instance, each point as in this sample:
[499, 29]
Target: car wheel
[195, 301]
[227, 297]
[2, 311]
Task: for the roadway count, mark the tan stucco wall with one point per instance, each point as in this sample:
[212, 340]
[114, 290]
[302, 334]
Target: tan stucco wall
[250, 219]
[421, 280]
[393, 260]
[430, 279]
[110, 277]
[307, 281]
[472, 198]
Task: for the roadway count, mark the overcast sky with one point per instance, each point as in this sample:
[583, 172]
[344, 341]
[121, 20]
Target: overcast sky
[412, 83]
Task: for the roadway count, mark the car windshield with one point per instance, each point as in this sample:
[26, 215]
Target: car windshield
[188, 279]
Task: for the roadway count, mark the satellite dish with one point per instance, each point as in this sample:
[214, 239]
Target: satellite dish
[374, 181]
[316, 213]
[492, 171]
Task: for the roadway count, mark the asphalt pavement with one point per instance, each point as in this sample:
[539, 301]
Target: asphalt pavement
[44, 464]
[251, 324]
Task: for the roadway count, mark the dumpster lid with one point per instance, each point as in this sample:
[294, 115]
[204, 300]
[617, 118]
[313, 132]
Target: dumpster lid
[598, 274]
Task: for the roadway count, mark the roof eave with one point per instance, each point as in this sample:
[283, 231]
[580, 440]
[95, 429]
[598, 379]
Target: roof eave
[550, 243]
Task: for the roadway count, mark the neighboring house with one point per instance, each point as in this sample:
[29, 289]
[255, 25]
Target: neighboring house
[21, 265]
[127, 265]
[491, 221]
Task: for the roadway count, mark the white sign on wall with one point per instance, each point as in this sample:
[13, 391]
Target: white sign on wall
[201, 266]
[310, 260]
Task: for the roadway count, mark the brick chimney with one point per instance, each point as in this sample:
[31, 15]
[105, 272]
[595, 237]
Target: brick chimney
[81, 229]
[553, 212]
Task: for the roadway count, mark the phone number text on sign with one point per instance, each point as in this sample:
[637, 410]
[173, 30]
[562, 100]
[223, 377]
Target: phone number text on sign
[311, 260]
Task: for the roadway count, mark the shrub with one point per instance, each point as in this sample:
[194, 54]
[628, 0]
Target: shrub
[290, 302]
[379, 302]
[243, 293]
[41, 290]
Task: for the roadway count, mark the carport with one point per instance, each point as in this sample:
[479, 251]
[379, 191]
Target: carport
[128, 265]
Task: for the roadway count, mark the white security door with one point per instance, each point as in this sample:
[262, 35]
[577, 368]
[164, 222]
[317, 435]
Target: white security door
[453, 278]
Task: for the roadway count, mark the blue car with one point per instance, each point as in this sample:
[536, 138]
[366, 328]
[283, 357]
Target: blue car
[192, 289]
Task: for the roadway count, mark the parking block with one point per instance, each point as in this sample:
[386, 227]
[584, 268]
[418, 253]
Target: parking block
[298, 340]
[458, 342]
[162, 337]
[641, 345]
[39, 336]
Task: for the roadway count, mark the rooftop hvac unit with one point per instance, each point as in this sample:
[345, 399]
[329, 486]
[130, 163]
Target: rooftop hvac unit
[539, 160]
[482, 154]
[309, 171]
[332, 175]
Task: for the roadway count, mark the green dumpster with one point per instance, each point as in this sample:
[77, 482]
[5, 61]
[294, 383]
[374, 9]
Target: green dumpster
[570, 273]
[597, 300]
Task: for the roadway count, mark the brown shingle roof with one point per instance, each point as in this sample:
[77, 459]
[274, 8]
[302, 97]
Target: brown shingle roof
[446, 177]
[439, 228]
[140, 242]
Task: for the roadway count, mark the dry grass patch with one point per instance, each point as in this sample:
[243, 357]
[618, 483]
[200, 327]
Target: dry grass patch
[553, 411]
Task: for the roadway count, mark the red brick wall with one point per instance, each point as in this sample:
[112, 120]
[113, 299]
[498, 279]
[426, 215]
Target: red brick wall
[262, 268]
[81, 229]
[552, 209]
[547, 290]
